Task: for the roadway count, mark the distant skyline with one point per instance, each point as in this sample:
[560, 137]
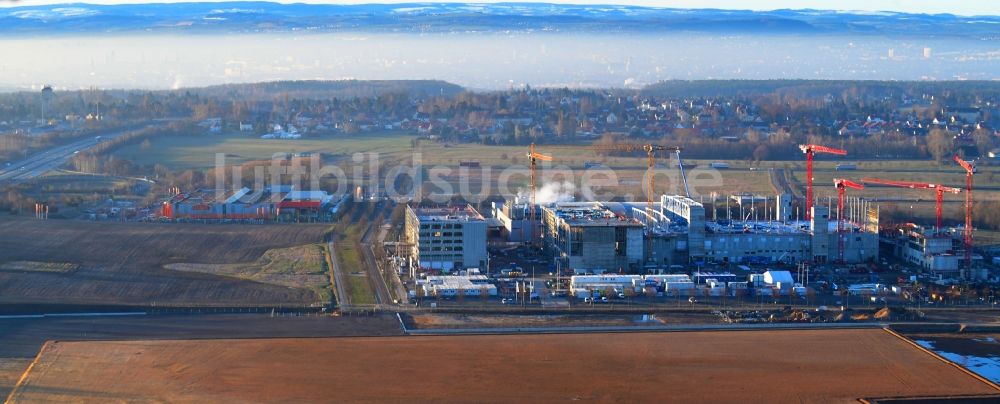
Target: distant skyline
[967, 7]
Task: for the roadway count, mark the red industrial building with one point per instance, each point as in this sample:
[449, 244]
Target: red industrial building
[271, 203]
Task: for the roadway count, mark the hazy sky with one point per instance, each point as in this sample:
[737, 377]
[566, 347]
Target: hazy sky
[961, 7]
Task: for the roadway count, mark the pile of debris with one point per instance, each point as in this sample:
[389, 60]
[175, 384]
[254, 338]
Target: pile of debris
[819, 315]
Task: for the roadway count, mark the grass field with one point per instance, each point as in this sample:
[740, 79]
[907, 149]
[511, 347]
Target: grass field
[358, 288]
[396, 147]
[719, 367]
[183, 152]
[123, 263]
[296, 267]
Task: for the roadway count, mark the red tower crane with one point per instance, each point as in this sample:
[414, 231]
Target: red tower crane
[939, 190]
[810, 150]
[842, 185]
[967, 234]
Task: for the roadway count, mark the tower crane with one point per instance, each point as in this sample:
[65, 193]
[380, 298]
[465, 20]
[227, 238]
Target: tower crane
[810, 150]
[967, 234]
[939, 190]
[650, 149]
[842, 185]
[533, 157]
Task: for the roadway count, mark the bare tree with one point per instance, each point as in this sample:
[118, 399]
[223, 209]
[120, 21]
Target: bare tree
[940, 144]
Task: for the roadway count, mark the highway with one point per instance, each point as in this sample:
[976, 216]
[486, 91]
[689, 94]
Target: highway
[51, 159]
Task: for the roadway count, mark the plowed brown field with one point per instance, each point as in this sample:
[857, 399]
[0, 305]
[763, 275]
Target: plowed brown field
[730, 366]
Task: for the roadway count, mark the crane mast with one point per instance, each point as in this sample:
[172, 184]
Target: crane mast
[533, 158]
[810, 150]
[967, 234]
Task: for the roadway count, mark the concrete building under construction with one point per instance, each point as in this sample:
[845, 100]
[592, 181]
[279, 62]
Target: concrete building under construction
[590, 235]
[771, 239]
[935, 252]
[446, 238]
[515, 218]
[639, 237]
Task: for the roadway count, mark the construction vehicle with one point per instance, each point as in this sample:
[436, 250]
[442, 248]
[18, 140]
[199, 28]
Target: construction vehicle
[810, 150]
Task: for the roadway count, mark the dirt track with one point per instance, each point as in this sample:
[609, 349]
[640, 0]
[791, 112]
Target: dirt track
[122, 263]
[750, 366]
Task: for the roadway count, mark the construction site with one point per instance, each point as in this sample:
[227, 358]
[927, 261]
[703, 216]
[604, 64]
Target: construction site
[701, 230]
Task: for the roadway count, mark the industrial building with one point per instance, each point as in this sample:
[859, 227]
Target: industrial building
[620, 237]
[446, 238]
[239, 204]
[590, 235]
[269, 203]
[453, 286]
[935, 252]
[597, 285]
[775, 239]
[308, 205]
[515, 218]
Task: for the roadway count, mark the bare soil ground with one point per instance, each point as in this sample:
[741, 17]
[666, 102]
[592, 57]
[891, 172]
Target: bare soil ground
[729, 366]
[123, 263]
[21, 339]
[11, 370]
[688, 317]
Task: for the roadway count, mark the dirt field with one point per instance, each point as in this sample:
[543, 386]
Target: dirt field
[21, 339]
[750, 366]
[123, 263]
[11, 370]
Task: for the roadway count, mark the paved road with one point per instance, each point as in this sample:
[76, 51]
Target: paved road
[51, 159]
[641, 328]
